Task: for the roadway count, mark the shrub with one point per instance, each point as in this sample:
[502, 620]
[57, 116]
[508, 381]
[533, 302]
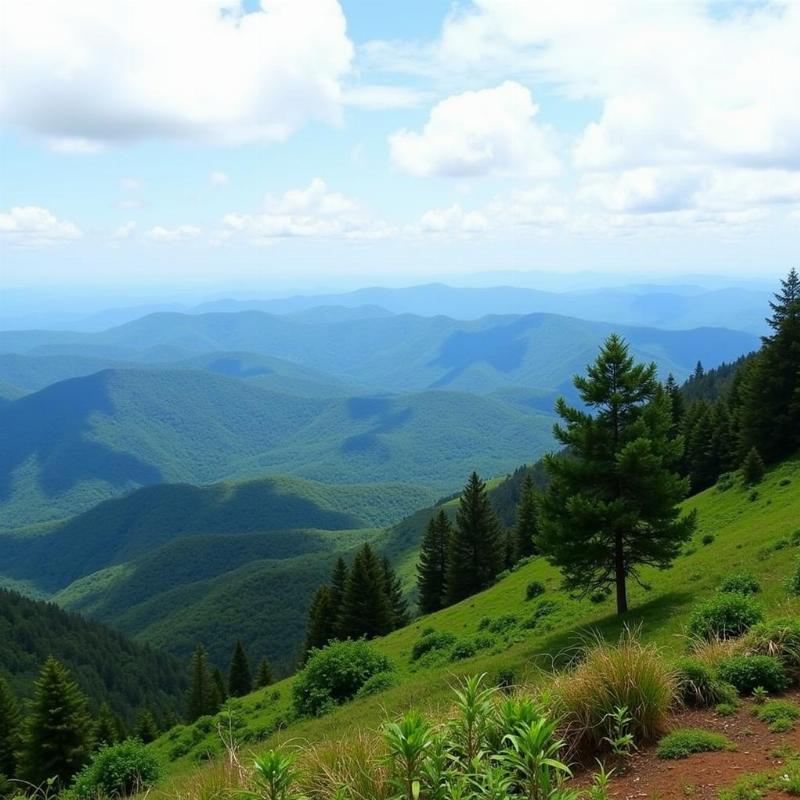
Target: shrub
[748, 672]
[432, 640]
[611, 676]
[499, 625]
[726, 709]
[534, 589]
[682, 743]
[740, 583]
[467, 647]
[724, 616]
[118, 770]
[699, 686]
[335, 674]
[544, 608]
[377, 683]
[779, 638]
[708, 539]
[779, 715]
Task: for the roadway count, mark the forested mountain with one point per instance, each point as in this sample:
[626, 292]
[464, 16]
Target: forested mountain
[78, 442]
[108, 667]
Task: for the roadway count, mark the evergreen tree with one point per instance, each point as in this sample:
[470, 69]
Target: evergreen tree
[432, 565]
[106, 727]
[240, 680]
[338, 586]
[699, 460]
[723, 444]
[321, 620]
[475, 554]
[366, 610]
[219, 690]
[612, 503]
[394, 593]
[526, 529]
[59, 737]
[264, 674]
[677, 405]
[770, 414]
[146, 729]
[10, 730]
[203, 696]
[752, 468]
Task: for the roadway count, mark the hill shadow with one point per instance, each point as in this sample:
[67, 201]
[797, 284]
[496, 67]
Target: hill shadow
[52, 426]
[386, 416]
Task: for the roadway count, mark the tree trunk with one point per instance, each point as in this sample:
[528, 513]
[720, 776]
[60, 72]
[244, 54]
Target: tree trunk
[619, 566]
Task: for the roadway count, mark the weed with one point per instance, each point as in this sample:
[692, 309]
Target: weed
[682, 743]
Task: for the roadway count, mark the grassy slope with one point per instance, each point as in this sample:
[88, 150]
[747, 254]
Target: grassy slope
[746, 532]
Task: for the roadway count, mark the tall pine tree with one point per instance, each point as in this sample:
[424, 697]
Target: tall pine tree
[338, 586]
[59, 737]
[106, 727]
[366, 610]
[475, 555]
[322, 620]
[146, 729]
[240, 680]
[432, 565]
[203, 696]
[526, 529]
[264, 674]
[770, 413]
[10, 730]
[612, 503]
[394, 593]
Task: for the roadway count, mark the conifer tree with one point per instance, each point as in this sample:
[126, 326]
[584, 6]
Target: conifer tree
[240, 680]
[338, 586]
[321, 620]
[106, 728]
[677, 405]
[475, 554]
[59, 736]
[432, 566]
[264, 674]
[526, 529]
[10, 730]
[146, 729]
[612, 503]
[770, 413]
[394, 593]
[752, 468]
[722, 445]
[203, 696]
[366, 610]
[219, 690]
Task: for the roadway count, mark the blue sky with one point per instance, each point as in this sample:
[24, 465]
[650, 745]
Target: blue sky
[290, 143]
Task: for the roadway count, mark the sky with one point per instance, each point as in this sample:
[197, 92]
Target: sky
[213, 144]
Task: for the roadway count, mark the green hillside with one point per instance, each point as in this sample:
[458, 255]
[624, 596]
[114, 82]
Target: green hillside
[81, 441]
[738, 529]
[109, 667]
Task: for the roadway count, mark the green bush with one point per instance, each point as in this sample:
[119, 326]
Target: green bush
[432, 640]
[726, 709]
[534, 589]
[779, 715]
[699, 686]
[682, 743]
[779, 638]
[708, 539]
[335, 674]
[377, 683]
[118, 770]
[467, 647]
[740, 583]
[748, 672]
[724, 616]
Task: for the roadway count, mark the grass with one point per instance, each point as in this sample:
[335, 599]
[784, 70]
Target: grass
[685, 742]
[743, 529]
[778, 715]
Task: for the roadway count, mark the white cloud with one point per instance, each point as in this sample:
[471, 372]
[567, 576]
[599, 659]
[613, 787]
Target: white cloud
[313, 211]
[491, 131]
[375, 97]
[453, 220]
[86, 73]
[219, 178]
[181, 233]
[124, 231]
[33, 226]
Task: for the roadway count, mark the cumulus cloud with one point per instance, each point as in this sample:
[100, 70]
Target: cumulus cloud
[86, 73]
[313, 211]
[181, 233]
[33, 226]
[477, 133]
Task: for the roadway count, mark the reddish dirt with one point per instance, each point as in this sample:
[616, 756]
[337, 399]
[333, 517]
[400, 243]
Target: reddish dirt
[702, 775]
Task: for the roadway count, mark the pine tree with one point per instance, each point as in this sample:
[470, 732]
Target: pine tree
[10, 730]
[203, 696]
[752, 468]
[219, 689]
[338, 586]
[146, 729]
[770, 413]
[106, 728]
[58, 741]
[432, 566]
[394, 593]
[677, 405]
[612, 503]
[240, 680]
[475, 554]
[526, 529]
[723, 444]
[264, 674]
[321, 620]
[700, 464]
[365, 609]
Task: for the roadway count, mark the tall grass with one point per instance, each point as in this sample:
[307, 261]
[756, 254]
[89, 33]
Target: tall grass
[608, 677]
